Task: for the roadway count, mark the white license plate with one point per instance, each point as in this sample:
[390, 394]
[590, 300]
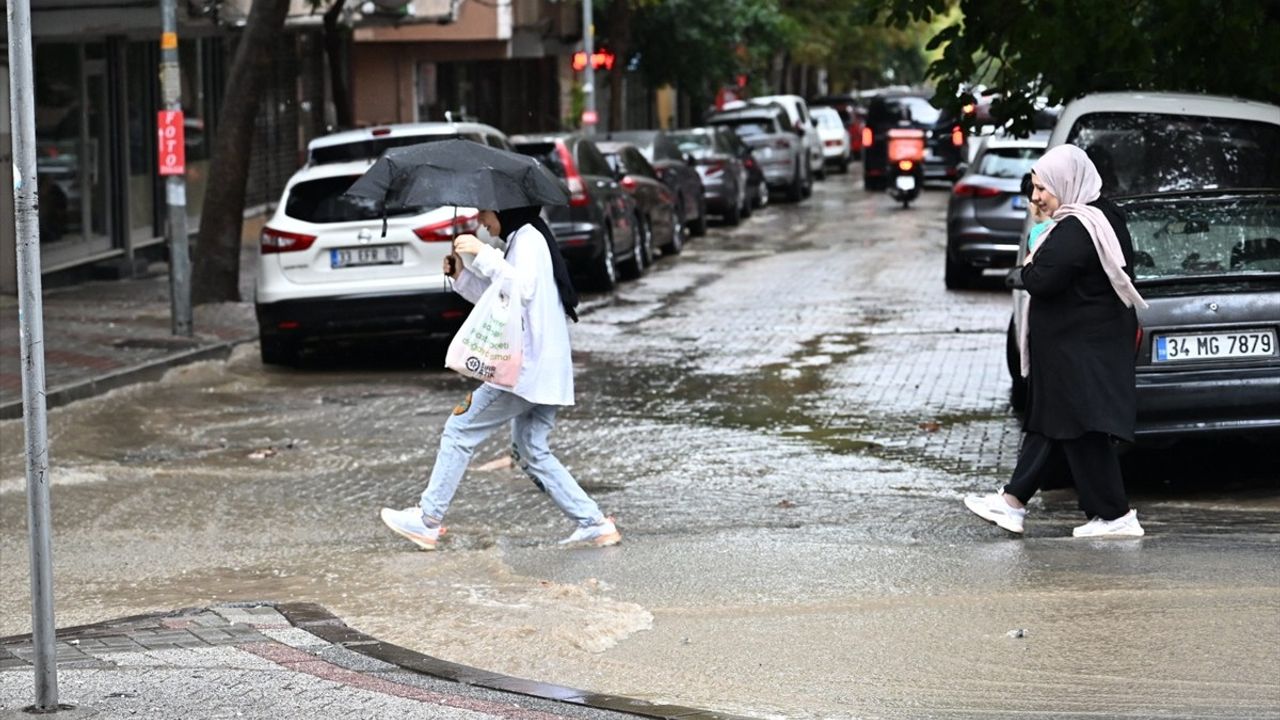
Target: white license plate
[1019, 202]
[1236, 344]
[905, 182]
[373, 255]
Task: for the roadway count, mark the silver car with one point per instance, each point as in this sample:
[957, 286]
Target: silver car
[778, 148]
[987, 208]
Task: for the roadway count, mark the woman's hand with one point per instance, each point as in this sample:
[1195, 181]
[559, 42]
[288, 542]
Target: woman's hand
[468, 244]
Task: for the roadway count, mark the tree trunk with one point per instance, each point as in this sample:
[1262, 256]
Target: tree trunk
[620, 46]
[216, 270]
[335, 37]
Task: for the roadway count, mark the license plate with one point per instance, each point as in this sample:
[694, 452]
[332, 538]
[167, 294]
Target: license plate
[1019, 202]
[373, 255]
[1236, 344]
[905, 182]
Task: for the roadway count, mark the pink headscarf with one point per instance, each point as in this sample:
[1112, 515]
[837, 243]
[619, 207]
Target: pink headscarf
[1068, 173]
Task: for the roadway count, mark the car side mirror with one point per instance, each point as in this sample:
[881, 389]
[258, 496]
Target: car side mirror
[689, 159]
[814, 121]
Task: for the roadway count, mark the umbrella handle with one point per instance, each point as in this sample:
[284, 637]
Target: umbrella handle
[384, 220]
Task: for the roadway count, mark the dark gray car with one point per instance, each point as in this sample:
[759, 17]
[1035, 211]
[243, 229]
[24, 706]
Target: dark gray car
[986, 209]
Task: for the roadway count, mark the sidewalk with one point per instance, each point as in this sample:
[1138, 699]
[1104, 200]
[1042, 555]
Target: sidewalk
[101, 335]
[281, 662]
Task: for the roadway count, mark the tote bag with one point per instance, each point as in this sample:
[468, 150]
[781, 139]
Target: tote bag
[489, 345]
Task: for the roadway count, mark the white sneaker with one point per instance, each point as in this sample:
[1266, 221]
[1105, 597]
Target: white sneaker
[602, 534]
[993, 508]
[408, 523]
[1124, 526]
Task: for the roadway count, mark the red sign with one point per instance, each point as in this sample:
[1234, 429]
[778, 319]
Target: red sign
[171, 142]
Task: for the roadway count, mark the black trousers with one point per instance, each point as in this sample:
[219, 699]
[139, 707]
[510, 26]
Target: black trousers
[1089, 460]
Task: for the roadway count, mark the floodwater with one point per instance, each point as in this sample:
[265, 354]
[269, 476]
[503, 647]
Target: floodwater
[783, 420]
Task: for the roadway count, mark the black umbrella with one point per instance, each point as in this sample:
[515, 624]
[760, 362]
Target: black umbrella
[457, 172]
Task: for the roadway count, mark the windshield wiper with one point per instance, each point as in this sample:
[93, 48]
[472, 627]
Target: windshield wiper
[1236, 277]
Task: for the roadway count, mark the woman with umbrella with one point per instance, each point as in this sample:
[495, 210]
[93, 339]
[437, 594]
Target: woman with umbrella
[1077, 347]
[512, 187]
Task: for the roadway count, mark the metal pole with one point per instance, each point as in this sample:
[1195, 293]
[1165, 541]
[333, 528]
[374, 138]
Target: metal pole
[26, 219]
[589, 72]
[175, 184]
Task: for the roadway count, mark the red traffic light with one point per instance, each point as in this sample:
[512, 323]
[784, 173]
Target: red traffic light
[599, 59]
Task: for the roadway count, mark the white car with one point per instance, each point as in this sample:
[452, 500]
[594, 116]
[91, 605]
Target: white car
[835, 138]
[328, 270]
[369, 143]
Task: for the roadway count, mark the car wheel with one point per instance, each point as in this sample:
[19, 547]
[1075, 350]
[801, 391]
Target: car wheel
[762, 195]
[747, 203]
[795, 191]
[698, 227]
[676, 243]
[807, 189]
[605, 272]
[821, 174]
[873, 184]
[278, 351]
[677, 231]
[634, 267]
[733, 213]
[958, 275]
[1017, 385]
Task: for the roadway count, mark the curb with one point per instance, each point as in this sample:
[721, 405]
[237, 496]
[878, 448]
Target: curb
[143, 372]
[316, 620]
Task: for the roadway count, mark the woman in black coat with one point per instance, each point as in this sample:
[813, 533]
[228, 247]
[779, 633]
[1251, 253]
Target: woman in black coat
[1077, 349]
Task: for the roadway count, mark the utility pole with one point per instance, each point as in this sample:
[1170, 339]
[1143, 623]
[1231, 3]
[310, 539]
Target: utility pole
[172, 161]
[26, 220]
[589, 116]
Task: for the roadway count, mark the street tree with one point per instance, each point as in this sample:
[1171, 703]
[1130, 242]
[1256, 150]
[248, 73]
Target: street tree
[216, 267]
[1061, 49]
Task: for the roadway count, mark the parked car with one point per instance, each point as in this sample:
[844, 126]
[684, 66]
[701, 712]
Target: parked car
[944, 137]
[371, 142]
[1199, 179]
[656, 213]
[724, 176]
[987, 209]
[803, 125]
[778, 150]
[853, 112]
[676, 170]
[757, 185]
[835, 138]
[597, 229]
[328, 270]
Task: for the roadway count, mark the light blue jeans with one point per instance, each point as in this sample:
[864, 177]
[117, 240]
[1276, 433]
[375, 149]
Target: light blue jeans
[472, 422]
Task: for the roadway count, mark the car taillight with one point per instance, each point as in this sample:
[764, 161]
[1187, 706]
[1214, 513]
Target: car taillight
[749, 162]
[628, 183]
[577, 188]
[905, 165]
[957, 136]
[279, 241]
[967, 190]
[714, 167]
[446, 230]
[832, 143]
[867, 137]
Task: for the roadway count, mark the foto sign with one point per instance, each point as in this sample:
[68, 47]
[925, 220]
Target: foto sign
[172, 142]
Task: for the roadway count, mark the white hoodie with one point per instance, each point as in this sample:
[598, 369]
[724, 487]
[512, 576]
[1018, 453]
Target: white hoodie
[546, 372]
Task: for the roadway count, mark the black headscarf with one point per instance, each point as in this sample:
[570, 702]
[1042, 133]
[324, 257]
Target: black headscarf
[515, 218]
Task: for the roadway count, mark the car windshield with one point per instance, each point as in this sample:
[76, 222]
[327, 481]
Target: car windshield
[748, 128]
[1191, 236]
[696, 144]
[368, 149]
[828, 119]
[1143, 153]
[322, 201]
[1010, 162]
[916, 109]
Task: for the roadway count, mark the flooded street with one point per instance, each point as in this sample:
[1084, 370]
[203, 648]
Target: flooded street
[783, 420]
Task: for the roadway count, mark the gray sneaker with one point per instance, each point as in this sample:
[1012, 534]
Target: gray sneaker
[993, 508]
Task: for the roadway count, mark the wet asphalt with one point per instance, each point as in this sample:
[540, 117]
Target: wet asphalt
[783, 419]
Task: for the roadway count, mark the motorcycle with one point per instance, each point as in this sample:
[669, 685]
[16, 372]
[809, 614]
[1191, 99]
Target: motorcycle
[906, 164]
